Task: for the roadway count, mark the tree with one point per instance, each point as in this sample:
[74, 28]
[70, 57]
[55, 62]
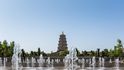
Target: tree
[39, 51]
[119, 43]
[103, 54]
[98, 52]
[43, 53]
[85, 53]
[0, 45]
[63, 53]
[118, 49]
[78, 52]
[111, 53]
[106, 52]
[1, 49]
[32, 54]
[116, 52]
[12, 44]
[23, 55]
[4, 45]
[92, 53]
[5, 48]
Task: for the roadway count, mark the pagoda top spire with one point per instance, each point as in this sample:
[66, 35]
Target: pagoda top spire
[62, 33]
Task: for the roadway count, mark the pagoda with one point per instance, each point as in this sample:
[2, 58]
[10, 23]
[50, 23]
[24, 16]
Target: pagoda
[62, 45]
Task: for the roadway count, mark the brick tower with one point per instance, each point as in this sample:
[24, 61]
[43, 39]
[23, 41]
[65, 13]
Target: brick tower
[62, 45]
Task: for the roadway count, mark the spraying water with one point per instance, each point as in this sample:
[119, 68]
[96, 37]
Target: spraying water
[93, 62]
[100, 62]
[110, 61]
[27, 61]
[117, 63]
[4, 62]
[48, 62]
[15, 58]
[41, 61]
[32, 61]
[70, 60]
[103, 62]
[83, 63]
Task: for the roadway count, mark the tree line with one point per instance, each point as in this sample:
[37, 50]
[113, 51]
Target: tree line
[117, 51]
[6, 50]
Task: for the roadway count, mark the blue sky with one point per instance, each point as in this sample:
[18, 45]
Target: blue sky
[88, 24]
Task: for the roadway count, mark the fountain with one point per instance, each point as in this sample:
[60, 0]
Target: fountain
[110, 61]
[27, 61]
[93, 62]
[15, 58]
[50, 64]
[4, 62]
[90, 63]
[32, 61]
[117, 63]
[103, 62]
[57, 60]
[100, 62]
[70, 60]
[41, 61]
[83, 63]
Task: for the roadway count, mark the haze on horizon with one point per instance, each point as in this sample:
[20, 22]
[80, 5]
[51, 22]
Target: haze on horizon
[88, 24]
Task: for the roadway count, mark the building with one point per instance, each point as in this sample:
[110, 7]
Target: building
[62, 43]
